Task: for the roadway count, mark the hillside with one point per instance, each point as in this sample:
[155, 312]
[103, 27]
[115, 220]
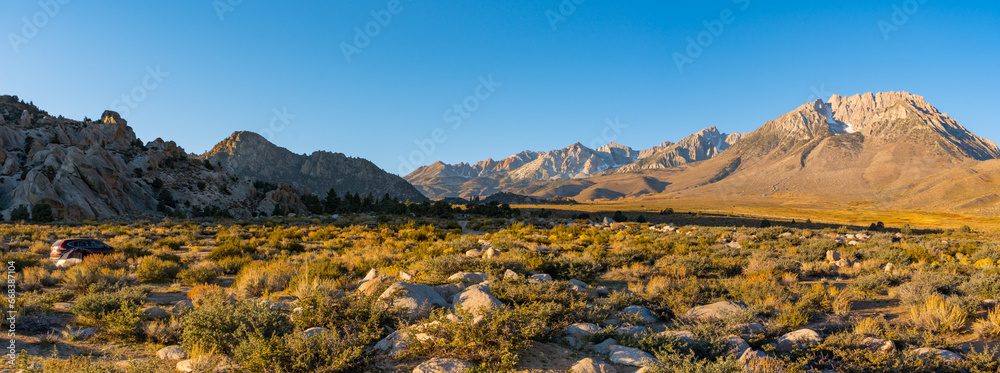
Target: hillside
[247, 154]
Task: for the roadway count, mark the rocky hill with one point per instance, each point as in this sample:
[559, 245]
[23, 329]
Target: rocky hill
[247, 154]
[100, 170]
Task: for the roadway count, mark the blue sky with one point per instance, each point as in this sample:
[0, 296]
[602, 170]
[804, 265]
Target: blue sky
[547, 73]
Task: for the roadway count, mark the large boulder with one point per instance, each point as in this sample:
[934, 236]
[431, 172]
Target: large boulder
[417, 299]
[477, 300]
[799, 339]
[589, 365]
[631, 356]
[716, 311]
[438, 365]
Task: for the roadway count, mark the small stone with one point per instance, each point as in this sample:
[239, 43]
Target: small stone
[174, 352]
[182, 306]
[944, 354]
[832, 256]
[469, 277]
[405, 276]
[631, 330]
[438, 365]
[589, 365]
[683, 335]
[582, 329]
[640, 313]
[540, 278]
[474, 253]
[880, 345]
[315, 331]
[737, 346]
[604, 348]
[631, 356]
[63, 306]
[716, 311]
[155, 313]
[798, 339]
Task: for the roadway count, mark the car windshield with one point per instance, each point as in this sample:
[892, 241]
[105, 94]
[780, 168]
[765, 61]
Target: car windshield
[88, 243]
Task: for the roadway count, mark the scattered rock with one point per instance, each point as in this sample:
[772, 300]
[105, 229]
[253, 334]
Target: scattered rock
[62, 307]
[540, 278]
[511, 275]
[602, 290]
[418, 299]
[888, 267]
[944, 354]
[832, 256]
[474, 253]
[631, 330]
[477, 300]
[737, 346]
[749, 329]
[395, 343]
[582, 330]
[880, 345]
[630, 356]
[405, 276]
[314, 331]
[640, 313]
[174, 352]
[683, 335]
[182, 306]
[578, 286]
[716, 311]
[589, 365]
[155, 313]
[375, 285]
[438, 365]
[469, 277]
[449, 291]
[604, 348]
[798, 339]
[751, 355]
[491, 253]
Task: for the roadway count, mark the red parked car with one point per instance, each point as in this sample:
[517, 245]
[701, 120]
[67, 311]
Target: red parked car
[78, 248]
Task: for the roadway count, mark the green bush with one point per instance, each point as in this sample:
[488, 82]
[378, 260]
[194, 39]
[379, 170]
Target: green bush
[198, 275]
[98, 305]
[22, 260]
[569, 268]
[153, 269]
[218, 327]
[328, 352]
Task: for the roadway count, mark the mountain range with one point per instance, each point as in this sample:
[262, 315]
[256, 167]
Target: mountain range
[524, 171]
[889, 148]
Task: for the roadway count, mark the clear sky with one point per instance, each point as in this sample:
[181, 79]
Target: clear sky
[526, 75]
